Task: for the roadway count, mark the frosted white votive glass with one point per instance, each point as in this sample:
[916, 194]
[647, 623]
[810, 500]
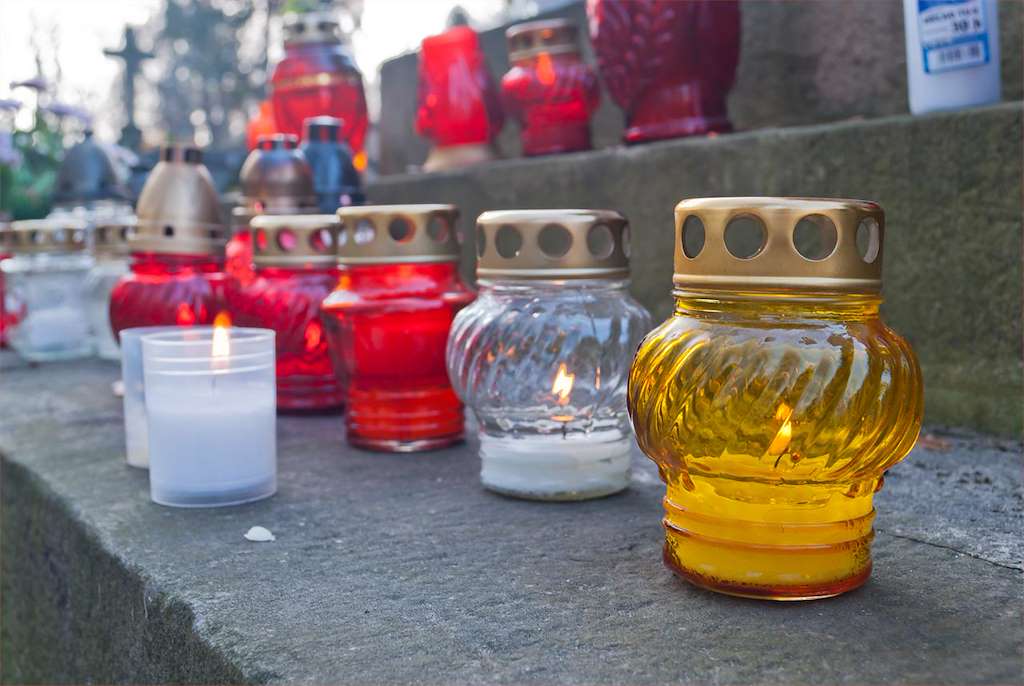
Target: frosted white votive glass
[135, 441]
[211, 416]
[575, 466]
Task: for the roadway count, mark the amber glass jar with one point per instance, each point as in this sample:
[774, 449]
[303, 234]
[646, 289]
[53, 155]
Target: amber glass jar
[388, 321]
[774, 398]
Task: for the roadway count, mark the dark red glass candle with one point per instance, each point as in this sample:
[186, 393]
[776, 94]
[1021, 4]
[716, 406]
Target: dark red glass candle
[549, 89]
[275, 179]
[295, 270]
[388, 325]
[669, 64]
[318, 77]
[176, 273]
[6, 318]
[459, 106]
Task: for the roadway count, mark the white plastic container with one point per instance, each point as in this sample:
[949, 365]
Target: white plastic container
[952, 53]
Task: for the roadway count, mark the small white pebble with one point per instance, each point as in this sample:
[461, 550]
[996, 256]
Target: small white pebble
[259, 535]
[117, 388]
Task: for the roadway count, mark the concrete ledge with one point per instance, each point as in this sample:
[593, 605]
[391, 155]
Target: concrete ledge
[400, 569]
[950, 185]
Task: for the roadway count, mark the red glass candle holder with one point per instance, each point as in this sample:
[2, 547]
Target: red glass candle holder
[388, 321]
[6, 318]
[318, 77]
[263, 124]
[549, 89]
[668, 64]
[459, 107]
[275, 179]
[296, 268]
[176, 273]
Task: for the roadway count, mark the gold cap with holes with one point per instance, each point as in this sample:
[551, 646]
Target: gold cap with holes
[811, 244]
[388, 234]
[551, 36]
[294, 240]
[110, 237]
[552, 244]
[48, 235]
[178, 209]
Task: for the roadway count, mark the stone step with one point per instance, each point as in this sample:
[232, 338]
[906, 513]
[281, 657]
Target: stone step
[950, 184]
[393, 569]
[800, 63]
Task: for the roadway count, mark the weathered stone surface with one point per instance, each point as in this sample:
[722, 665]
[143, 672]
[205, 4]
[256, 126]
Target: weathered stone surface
[950, 185]
[800, 63]
[401, 569]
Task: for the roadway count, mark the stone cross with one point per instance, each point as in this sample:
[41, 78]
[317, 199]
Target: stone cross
[133, 57]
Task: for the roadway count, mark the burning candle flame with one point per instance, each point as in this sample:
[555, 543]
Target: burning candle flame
[221, 344]
[545, 69]
[784, 435]
[562, 386]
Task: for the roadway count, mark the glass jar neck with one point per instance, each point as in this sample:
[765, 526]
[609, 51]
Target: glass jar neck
[723, 303]
[525, 287]
[167, 263]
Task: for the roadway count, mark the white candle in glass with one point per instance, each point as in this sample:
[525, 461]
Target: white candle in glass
[555, 466]
[211, 416]
[135, 436]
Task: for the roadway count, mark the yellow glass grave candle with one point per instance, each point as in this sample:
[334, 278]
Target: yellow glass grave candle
[774, 398]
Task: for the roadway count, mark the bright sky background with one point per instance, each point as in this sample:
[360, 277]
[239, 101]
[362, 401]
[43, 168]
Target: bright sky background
[84, 27]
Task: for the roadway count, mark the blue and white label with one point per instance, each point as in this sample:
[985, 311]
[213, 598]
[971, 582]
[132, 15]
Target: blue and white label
[954, 34]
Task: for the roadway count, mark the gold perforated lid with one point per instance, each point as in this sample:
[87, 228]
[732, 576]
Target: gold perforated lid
[549, 36]
[386, 234]
[293, 240]
[48, 235]
[552, 244]
[818, 244]
[179, 211]
[110, 237]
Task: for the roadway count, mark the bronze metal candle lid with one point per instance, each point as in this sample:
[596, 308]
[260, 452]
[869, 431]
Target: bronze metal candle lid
[49, 235]
[552, 244]
[816, 244]
[290, 240]
[178, 210]
[386, 234]
[550, 36]
[311, 27]
[110, 237]
[275, 179]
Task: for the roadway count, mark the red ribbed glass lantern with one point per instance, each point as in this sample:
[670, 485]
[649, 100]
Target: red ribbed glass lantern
[177, 251]
[6, 318]
[459, 107]
[388, 325]
[296, 268]
[549, 89]
[318, 77]
[275, 179]
[669, 64]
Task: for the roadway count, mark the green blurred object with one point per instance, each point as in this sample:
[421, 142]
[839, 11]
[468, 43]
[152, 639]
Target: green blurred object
[27, 185]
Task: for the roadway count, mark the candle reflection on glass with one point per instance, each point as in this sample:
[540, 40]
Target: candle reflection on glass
[135, 434]
[211, 415]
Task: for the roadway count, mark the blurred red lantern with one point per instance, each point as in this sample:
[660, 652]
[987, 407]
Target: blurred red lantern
[262, 124]
[669, 64]
[459, 108]
[318, 77]
[549, 89]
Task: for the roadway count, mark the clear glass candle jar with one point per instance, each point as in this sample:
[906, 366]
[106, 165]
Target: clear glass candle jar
[541, 357]
[774, 398]
[387, 323]
[110, 251]
[296, 267]
[211, 423]
[136, 437]
[44, 289]
[177, 250]
[549, 89]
